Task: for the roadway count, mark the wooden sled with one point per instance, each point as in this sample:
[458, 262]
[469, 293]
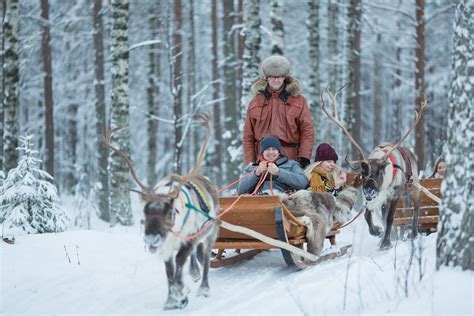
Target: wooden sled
[428, 216]
[266, 215]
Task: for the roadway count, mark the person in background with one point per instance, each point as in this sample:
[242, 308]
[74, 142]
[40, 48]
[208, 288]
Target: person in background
[286, 175]
[439, 169]
[323, 174]
[278, 109]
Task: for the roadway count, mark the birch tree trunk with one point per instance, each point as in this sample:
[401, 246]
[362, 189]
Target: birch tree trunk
[231, 106]
[11, 101]
[314, 61]
[217, 159]
[100, 111]
[251, 53]
[153, 106]
[119, 200]
[332, 132]
[455, 245]
[177, 90]
[377, 94]
[71, 147]
[276, 19]
[420, 82]
[48, 89]
[352, 115]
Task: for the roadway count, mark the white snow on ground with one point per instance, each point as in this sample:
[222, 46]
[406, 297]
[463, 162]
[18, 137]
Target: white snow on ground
[109, 272]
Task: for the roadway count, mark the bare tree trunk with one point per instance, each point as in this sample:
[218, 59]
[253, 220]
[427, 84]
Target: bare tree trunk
[395, 119]
[100, 111]
[194, 134]
[231, 108]
[177, 49]
[215, 89]
[455, 245]
[153, 106]
[48, 89]
[276, 19]
[377, 95]
[71, 178]
[314, 61]
[240, 53]
[119, 200]
[11, 101]
[2, 72]
[420, 81]
[352, 112]
[332, 131]
[251, 52]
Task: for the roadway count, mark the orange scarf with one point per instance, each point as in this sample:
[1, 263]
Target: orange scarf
[320, 181]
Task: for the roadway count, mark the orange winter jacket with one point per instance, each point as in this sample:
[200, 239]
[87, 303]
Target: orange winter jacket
[283, 114]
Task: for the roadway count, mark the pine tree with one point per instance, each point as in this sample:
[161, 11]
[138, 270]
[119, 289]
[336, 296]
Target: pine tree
[455, 244]
[276, 19]
[28, 201]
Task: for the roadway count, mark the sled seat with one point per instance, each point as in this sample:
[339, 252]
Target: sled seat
[264, 214]
[428, 216]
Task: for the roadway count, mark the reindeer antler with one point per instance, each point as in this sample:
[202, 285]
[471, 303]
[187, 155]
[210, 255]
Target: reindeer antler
[418, 115]
[334, 117]
[107, 141]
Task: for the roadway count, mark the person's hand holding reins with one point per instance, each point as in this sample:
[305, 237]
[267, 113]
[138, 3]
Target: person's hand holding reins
[262, 168]
[273, 169]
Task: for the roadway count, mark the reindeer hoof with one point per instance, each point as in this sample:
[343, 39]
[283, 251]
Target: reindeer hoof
[385, 246]
[203, 292]
[176, 304]
[375, 231]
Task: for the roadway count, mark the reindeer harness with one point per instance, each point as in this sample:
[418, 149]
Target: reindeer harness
[393, 161]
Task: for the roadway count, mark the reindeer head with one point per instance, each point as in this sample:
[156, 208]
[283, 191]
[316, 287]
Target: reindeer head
[372, 177]
[159, 210]
[373, 170]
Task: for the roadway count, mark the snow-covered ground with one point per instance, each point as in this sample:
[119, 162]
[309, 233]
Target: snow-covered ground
[109, 272]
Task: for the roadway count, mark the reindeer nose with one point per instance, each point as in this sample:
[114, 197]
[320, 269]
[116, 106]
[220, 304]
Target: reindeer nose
[151, 239]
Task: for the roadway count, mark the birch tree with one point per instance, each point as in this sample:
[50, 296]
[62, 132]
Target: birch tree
[276, 19]
[314, 61]
[119, 200]
[420, 81]
[455, 244]
[100, 110]
[48, 88]
[251, 60]
[352, 112]
[251, 56]
[11, 101]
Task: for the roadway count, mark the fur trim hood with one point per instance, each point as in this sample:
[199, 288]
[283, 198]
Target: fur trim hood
[292, 86]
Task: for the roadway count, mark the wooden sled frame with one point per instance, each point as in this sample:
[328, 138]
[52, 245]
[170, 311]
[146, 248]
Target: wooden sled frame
[428, 216]
[264, 214]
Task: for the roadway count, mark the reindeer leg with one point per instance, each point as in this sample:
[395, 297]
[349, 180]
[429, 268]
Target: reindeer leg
[416, 210]
[206, 248]
[388, 228]
[373, 230]
[170, 301]
[179, 298]
[194, 268]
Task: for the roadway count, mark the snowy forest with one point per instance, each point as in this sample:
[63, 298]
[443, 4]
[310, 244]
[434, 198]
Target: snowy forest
[72, 71]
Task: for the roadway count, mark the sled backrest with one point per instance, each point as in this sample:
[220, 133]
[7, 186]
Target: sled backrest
[256, 213]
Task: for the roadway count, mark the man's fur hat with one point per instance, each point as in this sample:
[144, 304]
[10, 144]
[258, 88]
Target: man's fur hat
[275, 66]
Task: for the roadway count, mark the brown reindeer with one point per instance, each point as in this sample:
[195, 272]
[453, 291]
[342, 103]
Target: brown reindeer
[180, 223]
[386, 174]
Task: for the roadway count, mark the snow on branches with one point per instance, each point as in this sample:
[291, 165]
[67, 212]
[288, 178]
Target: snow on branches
[28, 201]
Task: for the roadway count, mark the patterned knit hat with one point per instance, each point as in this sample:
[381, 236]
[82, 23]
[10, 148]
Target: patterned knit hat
[275, 66]
[325, 152]
[269, 141]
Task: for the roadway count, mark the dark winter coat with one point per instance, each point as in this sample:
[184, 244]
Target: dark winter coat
[291, 177]
[283, 114]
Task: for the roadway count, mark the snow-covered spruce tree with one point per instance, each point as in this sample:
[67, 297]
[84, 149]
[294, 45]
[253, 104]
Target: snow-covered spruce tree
[28, 201]
[455, 245]
[276, 19]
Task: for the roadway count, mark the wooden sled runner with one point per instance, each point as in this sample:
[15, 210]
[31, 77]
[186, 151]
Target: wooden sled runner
[428, 216]
[266, 215]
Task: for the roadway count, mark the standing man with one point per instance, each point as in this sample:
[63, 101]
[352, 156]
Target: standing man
[278, 109]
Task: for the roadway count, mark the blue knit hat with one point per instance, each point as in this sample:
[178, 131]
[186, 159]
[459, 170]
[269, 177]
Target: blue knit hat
[269, 141]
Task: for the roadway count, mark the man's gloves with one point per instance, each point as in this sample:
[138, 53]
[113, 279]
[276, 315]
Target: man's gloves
[303, 162]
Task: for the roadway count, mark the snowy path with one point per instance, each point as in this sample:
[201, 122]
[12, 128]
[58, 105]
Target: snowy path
[116, 276]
